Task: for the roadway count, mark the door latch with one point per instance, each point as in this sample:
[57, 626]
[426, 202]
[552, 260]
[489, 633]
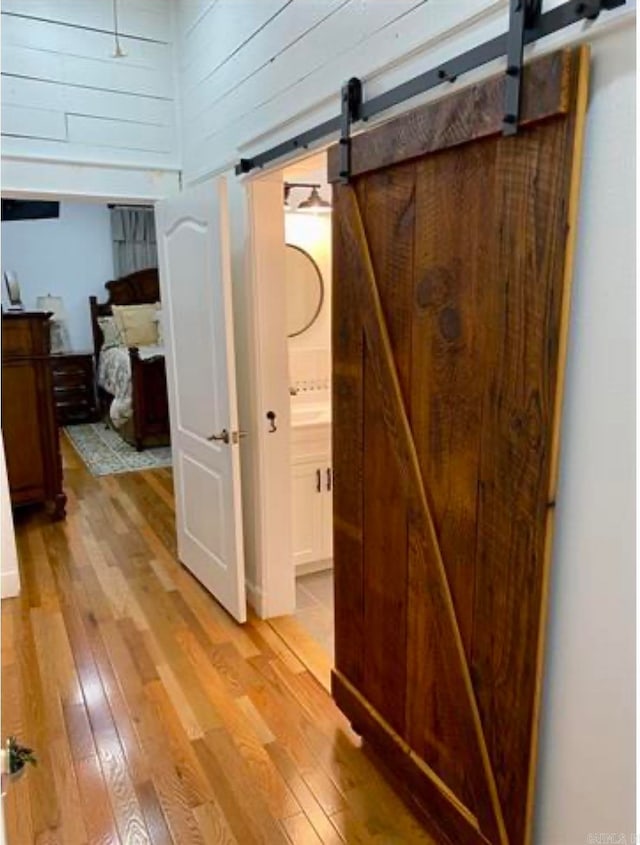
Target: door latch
[223, 435]
[227, 438]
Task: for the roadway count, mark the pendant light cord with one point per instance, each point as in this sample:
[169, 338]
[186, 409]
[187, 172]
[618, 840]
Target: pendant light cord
[119, 52]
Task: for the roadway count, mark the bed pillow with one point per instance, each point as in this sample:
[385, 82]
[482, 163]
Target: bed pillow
[137, 323]
[110, 333]
[159, 328]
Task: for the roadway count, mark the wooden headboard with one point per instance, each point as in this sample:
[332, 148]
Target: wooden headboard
[137, 288]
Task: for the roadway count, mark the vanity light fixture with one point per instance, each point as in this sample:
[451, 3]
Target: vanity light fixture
[118, 53]
[314, 204]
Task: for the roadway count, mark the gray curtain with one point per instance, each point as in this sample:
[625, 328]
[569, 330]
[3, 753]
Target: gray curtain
[133, 232]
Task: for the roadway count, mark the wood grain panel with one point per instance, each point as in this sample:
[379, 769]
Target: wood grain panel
[347, 446]
[520, 410]
[430, 597]
[447, 383]
[388, 200]
[460, 379]
[473, 113]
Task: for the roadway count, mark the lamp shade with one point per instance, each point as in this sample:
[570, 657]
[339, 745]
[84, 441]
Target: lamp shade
[53, 304]
[59, 332]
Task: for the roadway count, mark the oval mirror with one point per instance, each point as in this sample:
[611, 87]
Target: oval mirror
[305, 290]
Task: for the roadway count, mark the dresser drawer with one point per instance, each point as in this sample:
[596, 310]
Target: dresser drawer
[76, 377]
[71, 392]
[25, 334]
[74, 388]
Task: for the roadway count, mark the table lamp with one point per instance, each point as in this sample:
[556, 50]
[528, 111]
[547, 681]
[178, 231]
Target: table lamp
[59, 332]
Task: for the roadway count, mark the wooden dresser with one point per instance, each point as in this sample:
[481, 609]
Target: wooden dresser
[29, 425]
[74, 388]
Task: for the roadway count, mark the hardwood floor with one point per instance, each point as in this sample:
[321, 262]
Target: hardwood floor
[154, 716]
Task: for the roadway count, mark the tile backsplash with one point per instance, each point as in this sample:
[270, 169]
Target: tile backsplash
[309, 369]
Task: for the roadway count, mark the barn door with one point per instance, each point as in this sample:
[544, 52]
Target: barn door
[452, 260]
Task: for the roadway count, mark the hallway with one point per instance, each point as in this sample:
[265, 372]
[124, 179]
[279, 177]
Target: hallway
[155, 718]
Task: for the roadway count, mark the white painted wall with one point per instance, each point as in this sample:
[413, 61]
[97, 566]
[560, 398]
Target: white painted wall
[9, 572]
[586, 781]
[254, 72]
[69, 256]
[66, 99]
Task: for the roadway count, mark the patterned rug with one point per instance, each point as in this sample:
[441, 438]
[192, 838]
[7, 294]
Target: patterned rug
[105, 453]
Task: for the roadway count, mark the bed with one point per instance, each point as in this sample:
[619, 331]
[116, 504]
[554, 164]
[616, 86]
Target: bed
[132, 383]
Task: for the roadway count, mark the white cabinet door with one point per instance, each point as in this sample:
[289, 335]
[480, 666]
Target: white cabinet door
[193, 251]
[308, 496]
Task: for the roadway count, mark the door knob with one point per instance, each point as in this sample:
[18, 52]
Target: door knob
[224, 436]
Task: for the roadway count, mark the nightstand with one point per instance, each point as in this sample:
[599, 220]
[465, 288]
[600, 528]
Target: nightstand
[74, 387]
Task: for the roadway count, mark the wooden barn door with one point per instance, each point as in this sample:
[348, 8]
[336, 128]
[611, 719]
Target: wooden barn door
[452, 268]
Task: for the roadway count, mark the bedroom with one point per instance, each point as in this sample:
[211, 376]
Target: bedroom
[107, 367]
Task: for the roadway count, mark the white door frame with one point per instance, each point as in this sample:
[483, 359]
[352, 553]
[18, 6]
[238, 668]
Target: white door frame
[271, 584]
[266, 461]
[257, 229]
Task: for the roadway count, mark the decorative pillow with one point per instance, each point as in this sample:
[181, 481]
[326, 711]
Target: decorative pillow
[110, 332]
[159, 328]
[137, 324]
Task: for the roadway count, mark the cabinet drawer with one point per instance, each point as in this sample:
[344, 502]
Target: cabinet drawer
[23, 336]
[69, 371]
[70, 393]
[71, 379]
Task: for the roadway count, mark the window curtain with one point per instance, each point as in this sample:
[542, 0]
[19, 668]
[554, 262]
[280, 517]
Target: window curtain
[133, 232]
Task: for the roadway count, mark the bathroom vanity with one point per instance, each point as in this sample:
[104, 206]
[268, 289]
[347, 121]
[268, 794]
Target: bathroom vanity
[312, 486]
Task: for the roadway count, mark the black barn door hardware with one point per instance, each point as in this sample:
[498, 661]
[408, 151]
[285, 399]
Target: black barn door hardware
[351, 103]
[535, 27]
[523, 14]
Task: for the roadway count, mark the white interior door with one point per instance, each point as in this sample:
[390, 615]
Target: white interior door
[195, 280]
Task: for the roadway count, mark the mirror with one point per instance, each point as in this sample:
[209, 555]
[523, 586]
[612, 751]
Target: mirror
[305, 290]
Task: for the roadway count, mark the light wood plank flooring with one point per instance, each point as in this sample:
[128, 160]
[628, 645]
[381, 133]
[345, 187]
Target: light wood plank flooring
[155, 717]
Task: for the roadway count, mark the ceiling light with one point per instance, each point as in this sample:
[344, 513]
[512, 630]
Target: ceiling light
[314, 204]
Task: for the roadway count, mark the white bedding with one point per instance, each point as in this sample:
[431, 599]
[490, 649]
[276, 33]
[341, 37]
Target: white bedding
[114, 376]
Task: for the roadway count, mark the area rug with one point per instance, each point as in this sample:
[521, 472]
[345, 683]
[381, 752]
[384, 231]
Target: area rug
[104, 452]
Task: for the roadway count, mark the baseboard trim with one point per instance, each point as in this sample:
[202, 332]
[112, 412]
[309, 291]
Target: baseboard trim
[255, 599]
[10, 584]
[314, 566]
